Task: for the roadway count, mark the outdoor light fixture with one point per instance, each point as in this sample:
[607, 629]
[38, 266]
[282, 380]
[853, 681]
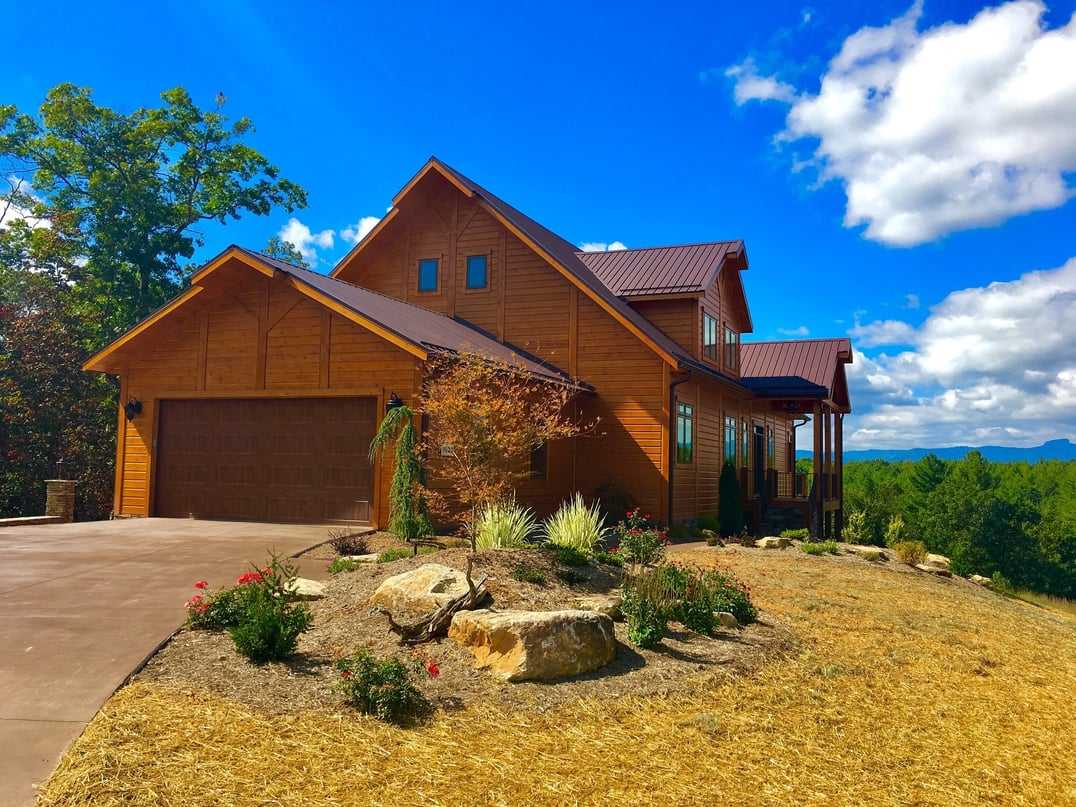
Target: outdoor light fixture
[131, 408]
[393, 402]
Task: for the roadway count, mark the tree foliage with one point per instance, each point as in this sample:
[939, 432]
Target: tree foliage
[730, 501]
[485, 419]
[285, 251]
[128, 189]
[409, 514]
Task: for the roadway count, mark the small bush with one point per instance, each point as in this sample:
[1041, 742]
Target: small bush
[612, 501]
[640, 541]
[526, 575]
[503, 525]
[570, 556]
[871, 556]
[820, 547]
[645, 605]
[218, 611]
[707, 523]
[609, 556]
[344, 565]
[346, 542]
[384, 688]
[895, 531]
[855, 530]
[798, 534]
[572, 576]
[273, 618]
[389, 555]
[427, 550]
[911, 552]
[712, 538]
[1001, 584]
[575, 525]
[730, 513]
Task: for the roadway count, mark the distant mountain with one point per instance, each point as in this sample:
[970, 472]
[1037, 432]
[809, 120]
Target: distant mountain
[1051, 450]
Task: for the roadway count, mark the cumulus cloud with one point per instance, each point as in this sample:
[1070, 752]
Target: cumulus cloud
[308, 243]
[800, 331]
[911, 301]
[355, 233]
[994, 363]
[601, 246]
[946, 129]
[16, 204]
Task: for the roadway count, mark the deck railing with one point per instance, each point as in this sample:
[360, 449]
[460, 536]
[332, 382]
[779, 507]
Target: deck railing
[785, 484]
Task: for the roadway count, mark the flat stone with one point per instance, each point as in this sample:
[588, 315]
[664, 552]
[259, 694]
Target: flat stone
[937, 561]
[422, 590]
[371, 558]
[305, 589]
[938, 570]
[979, 580]
[727, 620]
[869, 551]
[535, 645]
[773, 542]
[608, 604]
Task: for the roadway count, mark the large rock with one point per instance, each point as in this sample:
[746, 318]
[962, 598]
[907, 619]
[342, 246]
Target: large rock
[940, 571]
[305, 589]
[422, 590]
[979, 580]
[773, 542]
[608, 604]
[937, 562]
[535, 645]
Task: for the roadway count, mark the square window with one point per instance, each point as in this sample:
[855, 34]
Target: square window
[477, 274]
[427, 274]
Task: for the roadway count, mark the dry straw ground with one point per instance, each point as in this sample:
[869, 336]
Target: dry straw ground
[904, 689]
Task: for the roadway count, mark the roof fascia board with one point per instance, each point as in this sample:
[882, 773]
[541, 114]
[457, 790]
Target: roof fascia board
[651, 296]
[370, 236]
[231, 252]
[148, 322]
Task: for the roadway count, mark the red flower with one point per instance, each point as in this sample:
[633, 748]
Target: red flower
[249, 577]
[647, 516]
[432, 668]
[346, 673]
[201, 584]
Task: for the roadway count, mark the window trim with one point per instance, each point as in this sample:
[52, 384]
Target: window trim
[732, 349]
[467, 272]
[685, 415]
[730, 447]
[436, 275]
[709, 337]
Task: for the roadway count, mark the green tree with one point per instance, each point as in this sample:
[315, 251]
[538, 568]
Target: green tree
[409, 515]
[285, 251]
[730, 502]
[130, 189]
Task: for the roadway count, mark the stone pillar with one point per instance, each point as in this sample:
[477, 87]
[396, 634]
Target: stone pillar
[60, 499]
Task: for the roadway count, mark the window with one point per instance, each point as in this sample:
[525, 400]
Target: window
[477, 276]
[769, 447]
[732, 348]
[730, 440]
[427, 274]
[746, 445]
[684, 431]
[709, 337]
[540, 461]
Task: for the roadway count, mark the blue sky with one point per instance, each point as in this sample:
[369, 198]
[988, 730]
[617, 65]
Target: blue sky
[902, 173]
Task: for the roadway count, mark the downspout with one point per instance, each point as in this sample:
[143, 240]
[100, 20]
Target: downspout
[796, 442]
[673, 436]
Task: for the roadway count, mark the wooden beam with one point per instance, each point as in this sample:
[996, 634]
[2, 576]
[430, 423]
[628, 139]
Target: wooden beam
[453, 255]
[203, 350]
[573, 332]
[819, 481]
[840, 474]
[326, 341]
[502, 287]
[263, 337]
[121, 449]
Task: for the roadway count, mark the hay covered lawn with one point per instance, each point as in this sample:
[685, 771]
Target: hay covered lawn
[908, 689]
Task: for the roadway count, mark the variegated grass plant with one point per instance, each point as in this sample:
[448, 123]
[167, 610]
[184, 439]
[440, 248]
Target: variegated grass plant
[504, 525]
[575, 525]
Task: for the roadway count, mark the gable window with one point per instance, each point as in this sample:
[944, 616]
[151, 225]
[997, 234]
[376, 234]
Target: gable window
[732, 348]
[427, 274]
[477, 272]
[730, 440]
[685, 428]
[709, 337]
[540, 461]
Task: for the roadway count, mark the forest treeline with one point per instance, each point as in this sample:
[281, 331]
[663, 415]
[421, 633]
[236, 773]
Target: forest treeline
[1015, 519]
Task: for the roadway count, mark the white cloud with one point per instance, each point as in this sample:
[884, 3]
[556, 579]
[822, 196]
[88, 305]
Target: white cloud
[354, 234]
[800, 331]
[947, 129]
[750, 86]
[989, 364]
[308, 243]
[601, 246]
[911, 301]
[13, 204]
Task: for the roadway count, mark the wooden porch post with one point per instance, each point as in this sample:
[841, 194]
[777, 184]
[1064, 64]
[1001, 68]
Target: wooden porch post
[839, 450]
[827, 496]
[817, 509]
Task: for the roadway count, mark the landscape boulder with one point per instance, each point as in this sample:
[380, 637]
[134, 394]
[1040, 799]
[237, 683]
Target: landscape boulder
[608, 604]
[773, 542]
[370, 558]
[726, 620]
[940, 571]
[937, 561]
[305, 589]
[535, 645]
[979, 580]
[421, 590]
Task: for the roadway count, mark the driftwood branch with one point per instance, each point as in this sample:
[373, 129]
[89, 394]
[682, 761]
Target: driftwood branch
[436, 624]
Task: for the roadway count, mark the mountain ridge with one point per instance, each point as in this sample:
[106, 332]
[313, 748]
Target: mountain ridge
[1061, 449]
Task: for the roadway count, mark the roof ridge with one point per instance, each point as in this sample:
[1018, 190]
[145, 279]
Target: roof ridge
[663, 246]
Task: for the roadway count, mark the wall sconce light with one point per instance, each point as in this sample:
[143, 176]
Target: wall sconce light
[131, 408]
[791, 406]
[393, 402]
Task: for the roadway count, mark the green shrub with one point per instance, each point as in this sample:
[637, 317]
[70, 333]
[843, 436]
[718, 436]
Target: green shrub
[570, 556]
[389, 555]
[575, 525]
[503, 525]
[712, 538]
[216, 611]
[820, 547]
[730, 502]
[272, 618]
[798, 534]
[572, 576]
[344, 565]
[645, 605]
[640, 541]
[1001, 584]
[609, 556]
[870, 556]
[855, 529]
[911, 552]
[384, 688]
[527, 575]
[707, 523]
[895, 531]
[345, 542]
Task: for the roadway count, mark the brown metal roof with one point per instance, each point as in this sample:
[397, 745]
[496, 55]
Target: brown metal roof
[794, 367]
[418, 326]
[689, 268]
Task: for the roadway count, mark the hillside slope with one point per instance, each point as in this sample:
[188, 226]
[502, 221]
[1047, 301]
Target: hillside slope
[906, 689]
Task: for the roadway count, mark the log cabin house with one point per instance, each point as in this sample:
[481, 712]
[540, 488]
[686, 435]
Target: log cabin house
[259, 388]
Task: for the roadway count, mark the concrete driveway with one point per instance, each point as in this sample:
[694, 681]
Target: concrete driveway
[82, 605]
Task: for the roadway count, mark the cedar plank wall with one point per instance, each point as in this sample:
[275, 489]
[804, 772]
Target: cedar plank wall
[679, 319]
[224, 330]
[530, 305]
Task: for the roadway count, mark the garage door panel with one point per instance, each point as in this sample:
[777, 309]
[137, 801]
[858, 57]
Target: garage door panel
[290, 460]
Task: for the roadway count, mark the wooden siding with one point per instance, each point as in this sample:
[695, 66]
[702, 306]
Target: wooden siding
[679, 319]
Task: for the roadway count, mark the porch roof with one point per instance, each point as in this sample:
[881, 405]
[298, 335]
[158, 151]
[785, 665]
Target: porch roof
[799, 368]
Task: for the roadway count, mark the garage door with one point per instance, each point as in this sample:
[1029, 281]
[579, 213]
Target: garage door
[300, 460]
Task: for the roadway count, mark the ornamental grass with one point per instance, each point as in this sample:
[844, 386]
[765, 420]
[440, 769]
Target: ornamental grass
[908, 689]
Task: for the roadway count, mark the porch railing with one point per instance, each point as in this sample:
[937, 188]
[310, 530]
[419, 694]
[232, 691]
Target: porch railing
[785, 484]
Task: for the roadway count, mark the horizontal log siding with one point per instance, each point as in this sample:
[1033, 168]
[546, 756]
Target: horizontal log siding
[537, 306]
[631, 401]
[679, 319]
[232, 346]
[481, 235]
[293, 345]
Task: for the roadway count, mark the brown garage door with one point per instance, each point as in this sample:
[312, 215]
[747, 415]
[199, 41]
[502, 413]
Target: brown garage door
[300, 460]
